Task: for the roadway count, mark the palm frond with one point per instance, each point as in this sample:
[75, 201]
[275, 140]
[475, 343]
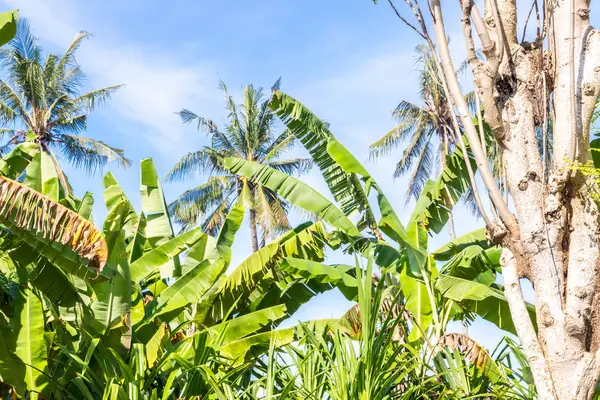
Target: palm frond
[220, 141]
[235, 127]
[13, 101]
[68, 58]
[470, 98]
[95, 98]
[276, 85]
[266, 219]
[266, 117]
[213, 222]
[90, 154]
[421, 173]
[407, 112]
[390, 140]
[71, 80]
[282, 143]
[7, 113]
[203, 124]
[195, 203]
[293, 166]
[24, 45]
[464, 66]
[193, 165]
[50, 70]
[74, 124]
[420, 138]
[469, 201]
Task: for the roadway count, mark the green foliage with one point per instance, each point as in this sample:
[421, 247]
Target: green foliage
[251, 135]
[41, 100]
[8, 26]
[168, 318]
[98, 335]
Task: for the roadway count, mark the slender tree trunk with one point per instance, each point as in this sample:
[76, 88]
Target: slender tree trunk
[451, 232]
[253, 231]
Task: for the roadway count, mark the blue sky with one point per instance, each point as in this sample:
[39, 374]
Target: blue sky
[351, 62]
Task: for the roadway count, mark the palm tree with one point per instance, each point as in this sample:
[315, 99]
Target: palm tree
[41, 101]
[250, 135]
[423, 124]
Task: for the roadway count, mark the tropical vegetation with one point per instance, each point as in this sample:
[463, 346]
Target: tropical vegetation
[250, 134]
[135, 308]
[41, 102]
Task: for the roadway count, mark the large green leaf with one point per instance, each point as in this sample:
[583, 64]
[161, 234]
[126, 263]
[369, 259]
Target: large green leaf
[41, 176]
[315, 136]
[336, 275]
[30, 344]
[434, 206]
[417, 302]
[15, 162]
[152, 260]
[238, 349]
[8, 26]
[85, 206]
[292, 190]
[447, 251]
[232, 223]
[49, 279]
[253, 279]
[114, 195]
[159, 228]
[135, 249]
[112, 296]
[189, 288]
[244, 325]
[12, 368]
[389, 223]
[595, 150]
[487, 302]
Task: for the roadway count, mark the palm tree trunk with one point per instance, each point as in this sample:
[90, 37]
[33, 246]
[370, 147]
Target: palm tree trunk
[253, 232]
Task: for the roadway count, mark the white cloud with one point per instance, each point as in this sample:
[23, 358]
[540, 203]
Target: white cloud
[156, 84]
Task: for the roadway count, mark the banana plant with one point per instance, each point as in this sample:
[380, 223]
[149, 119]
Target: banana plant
[134, 285]
[435, 287]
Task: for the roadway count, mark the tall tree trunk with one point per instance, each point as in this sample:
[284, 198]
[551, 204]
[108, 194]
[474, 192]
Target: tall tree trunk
[552, 234]
[253, 230]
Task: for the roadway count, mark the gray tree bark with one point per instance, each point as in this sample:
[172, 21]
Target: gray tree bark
[551, 235]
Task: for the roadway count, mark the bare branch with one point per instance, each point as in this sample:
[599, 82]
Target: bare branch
[506, 216]
[572, 84]
[534, 4]
[405, 21]
[487, 44]
[524, 326]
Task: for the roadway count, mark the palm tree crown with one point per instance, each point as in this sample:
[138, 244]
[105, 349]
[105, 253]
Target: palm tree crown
[423, 124]
[41, 101]
[249, 134]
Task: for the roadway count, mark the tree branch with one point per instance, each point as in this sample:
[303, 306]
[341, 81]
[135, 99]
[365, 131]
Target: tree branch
[405, 21]
[524, 327]
[506, 216]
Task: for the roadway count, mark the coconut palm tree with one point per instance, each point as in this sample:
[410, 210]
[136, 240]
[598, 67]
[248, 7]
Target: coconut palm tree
[249, 134]
[41, 101]
[426, 125]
